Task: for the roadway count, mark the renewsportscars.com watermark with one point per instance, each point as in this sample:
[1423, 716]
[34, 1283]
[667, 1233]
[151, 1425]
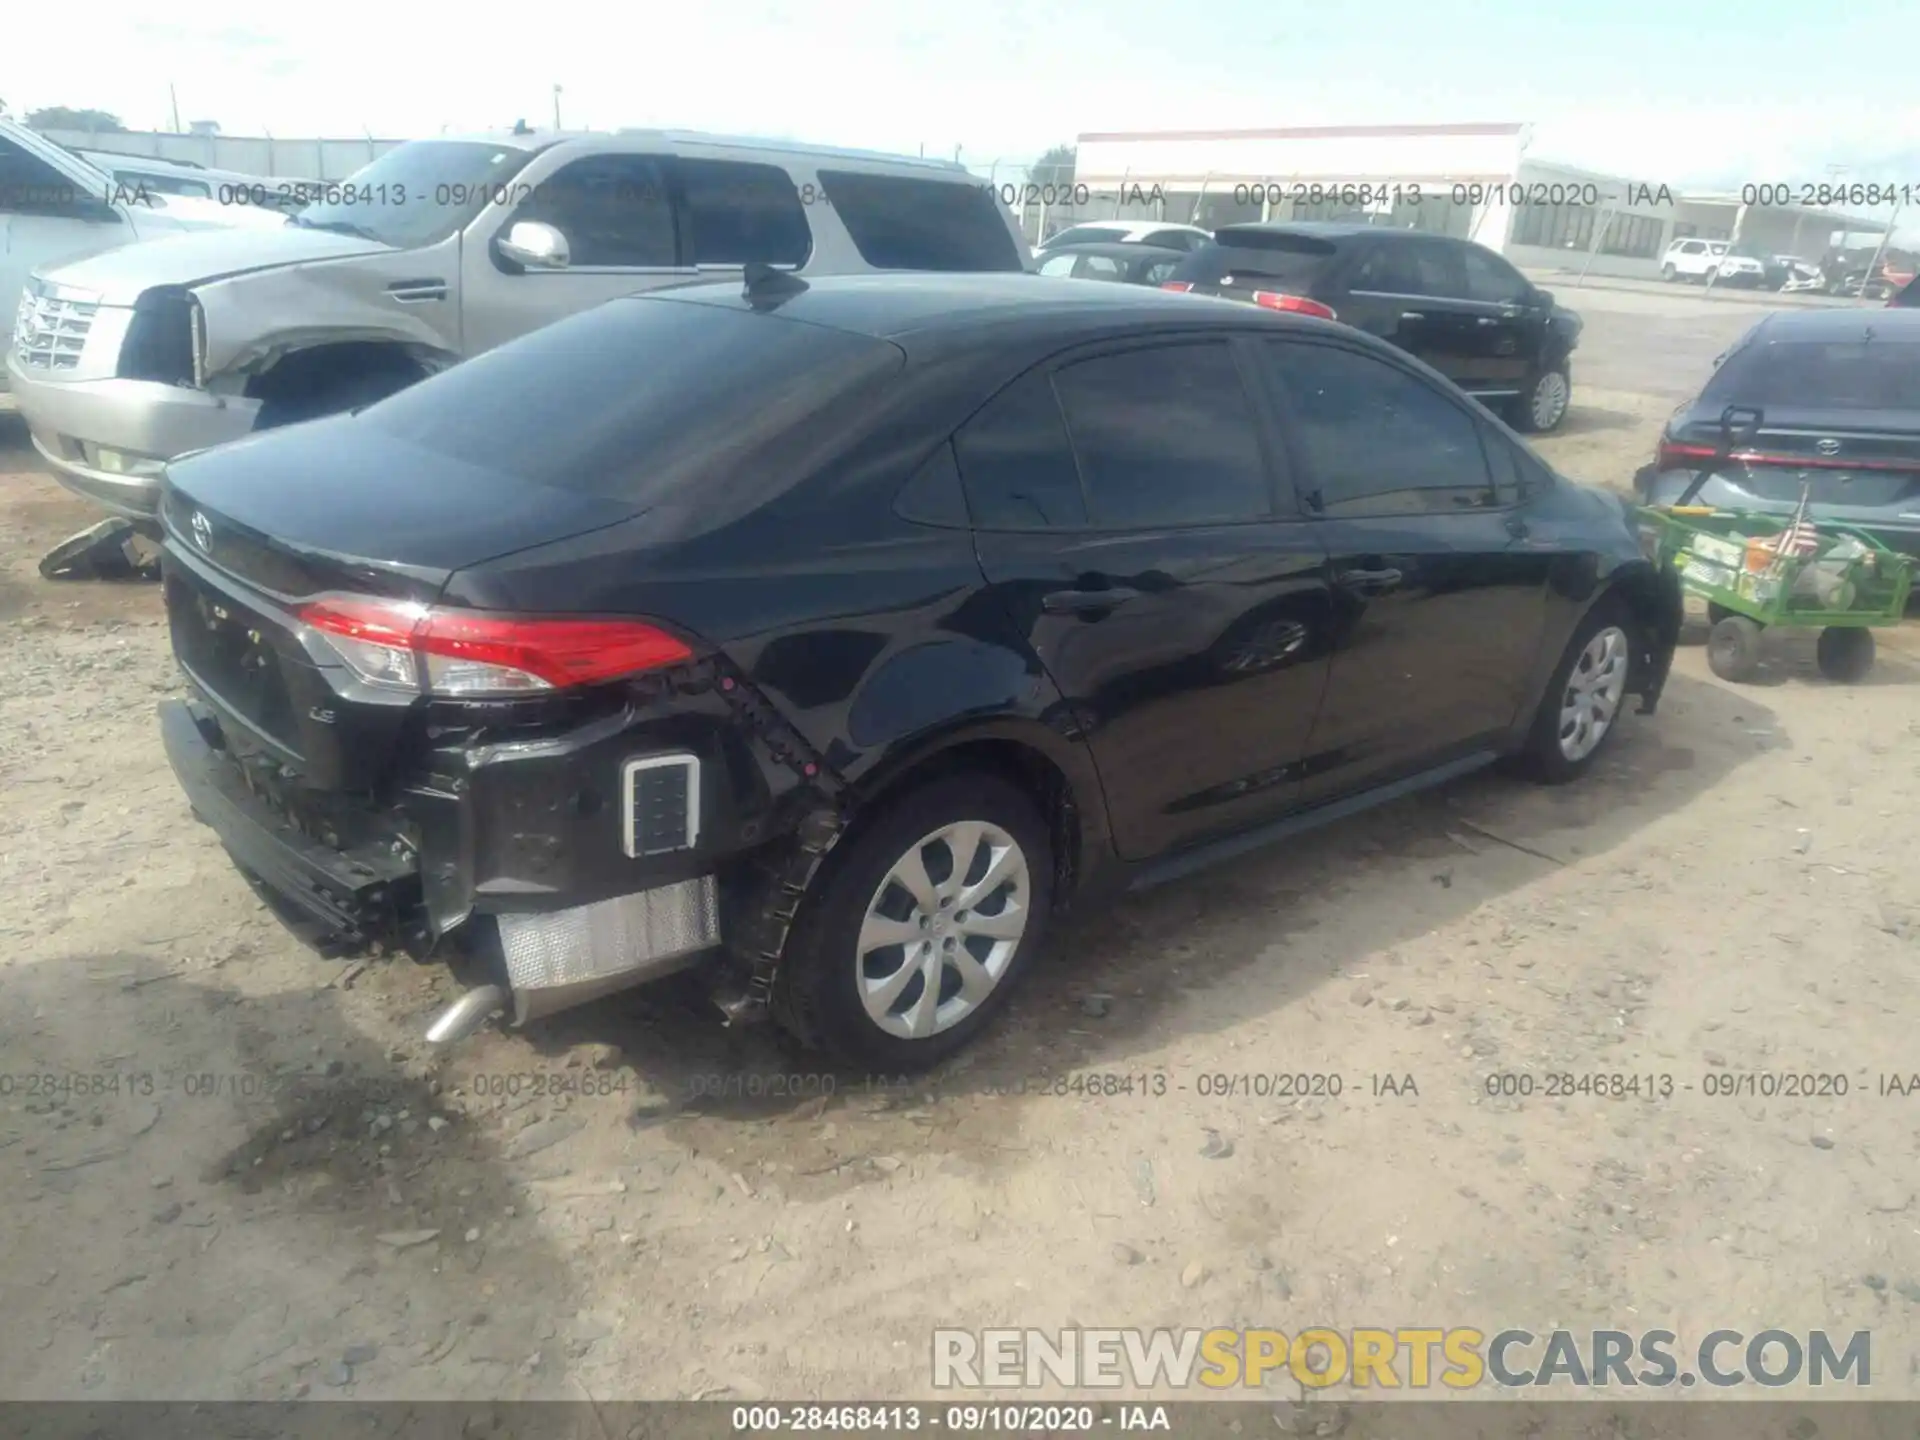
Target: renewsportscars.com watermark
[1404, 1359]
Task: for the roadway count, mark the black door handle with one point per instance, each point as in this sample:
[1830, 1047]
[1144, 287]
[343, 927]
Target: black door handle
[1085, 602]
[1370, 582]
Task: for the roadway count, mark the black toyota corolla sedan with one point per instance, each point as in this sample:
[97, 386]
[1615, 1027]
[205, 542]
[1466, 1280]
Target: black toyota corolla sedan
[838, 635]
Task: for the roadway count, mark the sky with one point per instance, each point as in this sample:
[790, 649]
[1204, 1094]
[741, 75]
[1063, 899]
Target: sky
[1706, 93]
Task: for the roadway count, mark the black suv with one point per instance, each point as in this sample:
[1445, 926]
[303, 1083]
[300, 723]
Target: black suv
[838, 633]
[1455, 304]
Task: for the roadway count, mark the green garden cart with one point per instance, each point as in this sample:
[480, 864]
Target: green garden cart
[1755, 575]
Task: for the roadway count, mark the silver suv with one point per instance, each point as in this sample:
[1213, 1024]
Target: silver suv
[435, 252]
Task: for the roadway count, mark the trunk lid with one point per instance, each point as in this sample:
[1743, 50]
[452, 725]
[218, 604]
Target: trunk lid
[255, 528]
[1852, 458]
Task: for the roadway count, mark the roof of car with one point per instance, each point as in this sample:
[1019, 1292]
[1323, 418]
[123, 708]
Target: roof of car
[1131, 227]
[1330, 230]
[1119, 249]
[895, 306]
[628, 139]
[1838, 325]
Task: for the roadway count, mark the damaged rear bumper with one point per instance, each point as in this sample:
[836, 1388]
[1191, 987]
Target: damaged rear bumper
[347, 897]
[530, 960]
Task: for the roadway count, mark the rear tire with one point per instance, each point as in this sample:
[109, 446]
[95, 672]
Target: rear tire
[1580, 709]
[1845, 653]
[1733, 649]
[848, 987]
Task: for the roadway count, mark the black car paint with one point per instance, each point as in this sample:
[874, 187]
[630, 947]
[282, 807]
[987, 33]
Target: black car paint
[1488, 349]
[849, 626]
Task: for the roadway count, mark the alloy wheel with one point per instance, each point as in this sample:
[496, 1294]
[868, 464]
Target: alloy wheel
[942, 928]
[1548, 402]
[1595, 686]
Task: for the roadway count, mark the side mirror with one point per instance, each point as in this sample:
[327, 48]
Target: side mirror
[534, 245]
[1543, 298]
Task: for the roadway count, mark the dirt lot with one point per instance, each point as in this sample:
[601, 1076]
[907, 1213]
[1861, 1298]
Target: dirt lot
[278, 1191]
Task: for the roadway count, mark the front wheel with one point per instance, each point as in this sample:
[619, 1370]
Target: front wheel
[917, 935]
[1543, 405]
[1669, 274]
[1581, 705]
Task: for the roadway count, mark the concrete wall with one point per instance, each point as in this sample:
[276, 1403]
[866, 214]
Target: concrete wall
[293, 159]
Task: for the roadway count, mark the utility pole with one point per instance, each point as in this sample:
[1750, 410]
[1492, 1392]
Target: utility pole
[556, 107]
[175, 101]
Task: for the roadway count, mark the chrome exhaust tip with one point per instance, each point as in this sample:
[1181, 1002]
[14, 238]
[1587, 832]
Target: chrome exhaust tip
[467, 1014]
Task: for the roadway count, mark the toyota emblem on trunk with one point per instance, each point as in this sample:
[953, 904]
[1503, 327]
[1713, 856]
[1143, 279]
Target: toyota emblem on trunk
[202, 531]
[1828, 447]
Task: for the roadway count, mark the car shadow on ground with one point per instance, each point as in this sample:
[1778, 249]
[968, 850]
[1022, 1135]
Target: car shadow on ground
[1595, 420]
[254, 1196]
[1121, 984]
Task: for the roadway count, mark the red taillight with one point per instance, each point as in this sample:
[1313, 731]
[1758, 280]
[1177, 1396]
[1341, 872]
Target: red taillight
[1671, 455]
[473, 653]
[1295, 304]
[1179, 287]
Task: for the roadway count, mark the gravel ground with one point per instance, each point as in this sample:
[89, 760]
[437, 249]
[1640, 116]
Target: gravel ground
[265, 1186]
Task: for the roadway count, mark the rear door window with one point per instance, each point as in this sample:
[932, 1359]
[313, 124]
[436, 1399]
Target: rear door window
[901, 222]
[1820, 375]
[737, 213]
[1396, 267]
[614, 210]
[1165, 436]
[1377, 440]
[1017, 464]
[1440, 271]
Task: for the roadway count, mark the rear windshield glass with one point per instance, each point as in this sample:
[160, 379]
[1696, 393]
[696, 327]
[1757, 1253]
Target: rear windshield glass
[643, 399]
[1298, 260]
[1814, 375]
[901, 222]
